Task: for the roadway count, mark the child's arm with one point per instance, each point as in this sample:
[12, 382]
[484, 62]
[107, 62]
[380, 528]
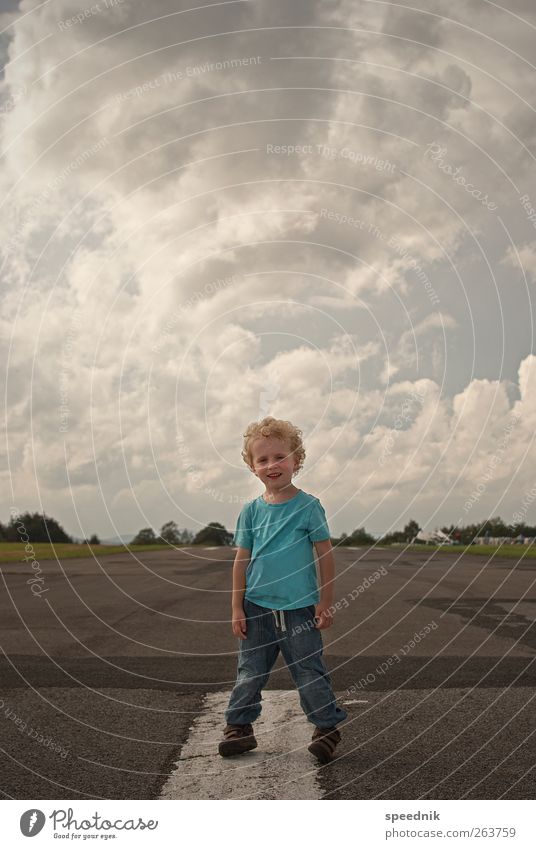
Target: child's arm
[326, 561]
[241, 563]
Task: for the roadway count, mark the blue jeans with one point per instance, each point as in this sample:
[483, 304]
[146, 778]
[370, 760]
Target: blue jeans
[294, 633]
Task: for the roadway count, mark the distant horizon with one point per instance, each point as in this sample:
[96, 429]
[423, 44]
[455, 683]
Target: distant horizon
[320, 212]
[125, 538]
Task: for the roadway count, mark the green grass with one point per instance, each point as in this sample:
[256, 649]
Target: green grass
[513, 551]
[11, 552]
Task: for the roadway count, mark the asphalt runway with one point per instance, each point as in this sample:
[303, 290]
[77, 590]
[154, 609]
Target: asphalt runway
[114, 680]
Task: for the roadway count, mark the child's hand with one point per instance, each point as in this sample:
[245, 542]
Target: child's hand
[239, 622]
[324, 615]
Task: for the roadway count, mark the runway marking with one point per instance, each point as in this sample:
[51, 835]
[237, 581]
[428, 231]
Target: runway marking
[280, 768]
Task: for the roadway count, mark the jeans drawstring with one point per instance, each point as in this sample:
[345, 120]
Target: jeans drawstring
[281, 622]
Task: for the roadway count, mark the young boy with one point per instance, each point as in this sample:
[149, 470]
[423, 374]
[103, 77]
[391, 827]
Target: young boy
[276, 605]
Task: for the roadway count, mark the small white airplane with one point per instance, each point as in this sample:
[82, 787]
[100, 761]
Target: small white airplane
[437, 537]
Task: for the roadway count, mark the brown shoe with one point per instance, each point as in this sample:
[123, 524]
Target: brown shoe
[324, 742]
[237, 739]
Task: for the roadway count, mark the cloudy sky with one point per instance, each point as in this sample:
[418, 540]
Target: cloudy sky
[319, 210]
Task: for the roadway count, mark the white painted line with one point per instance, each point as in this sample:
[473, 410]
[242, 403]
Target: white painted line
[280, 768]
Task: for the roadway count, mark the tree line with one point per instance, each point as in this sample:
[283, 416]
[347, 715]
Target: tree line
[38, 527]
[42, 528]
[213, 534]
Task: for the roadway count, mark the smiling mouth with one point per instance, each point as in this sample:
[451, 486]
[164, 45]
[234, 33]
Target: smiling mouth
[278, 475]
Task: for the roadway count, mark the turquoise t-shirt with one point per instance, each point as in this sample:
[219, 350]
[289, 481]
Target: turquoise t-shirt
[282, 572]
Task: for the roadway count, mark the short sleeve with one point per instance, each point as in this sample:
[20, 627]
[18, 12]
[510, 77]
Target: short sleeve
[318, 523]
[243, 536]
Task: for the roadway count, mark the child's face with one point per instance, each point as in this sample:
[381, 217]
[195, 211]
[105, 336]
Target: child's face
[272, 461]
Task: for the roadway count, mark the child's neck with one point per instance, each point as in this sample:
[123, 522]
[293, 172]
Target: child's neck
[279, 497]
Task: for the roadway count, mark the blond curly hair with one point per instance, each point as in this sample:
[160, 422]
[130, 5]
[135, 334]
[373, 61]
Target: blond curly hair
[279, 429]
